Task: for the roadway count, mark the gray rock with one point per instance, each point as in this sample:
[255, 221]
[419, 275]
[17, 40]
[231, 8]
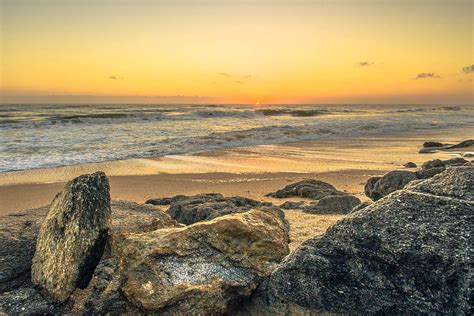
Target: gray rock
[435, 163]
[432, 144]
[428, 173]
[463, 144]
[427, 150]
[28, 301]
[455, 161]
[310, 188]
[290, 205]
[333, 204]
[191, 209]
[410, 165]
[369, 188]
[390, 182]
[166, 200]
[72, 237]
[408, 253]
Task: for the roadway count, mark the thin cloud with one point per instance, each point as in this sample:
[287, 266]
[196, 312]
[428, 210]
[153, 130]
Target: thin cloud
[113, 78]
[468, 69]
[247, 76]
[224, 74]
[426, 75]
[365, 63]
[239, 82]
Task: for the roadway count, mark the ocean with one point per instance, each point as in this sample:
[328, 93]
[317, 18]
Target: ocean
[43, 136]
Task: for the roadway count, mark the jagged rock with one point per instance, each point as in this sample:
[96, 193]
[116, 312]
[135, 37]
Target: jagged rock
[310, 188]
[290, 205]
[428, 173]
[388, 183]
[333, 204]
[203, 268]
[166, 200]
[432, 144]
[435, 163]
[410, 165]
[458, 161]
[360, 206]
[191, 209]
[408, 253]
[72, 237]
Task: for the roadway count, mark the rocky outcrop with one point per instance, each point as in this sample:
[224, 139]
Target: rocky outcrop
[204, 268]
[72, 237]
[377, 188]
[191, 209]
[290, 205]
[408, 253]
[310, 188]
[463, 144]
[360, 206]
[333, 204]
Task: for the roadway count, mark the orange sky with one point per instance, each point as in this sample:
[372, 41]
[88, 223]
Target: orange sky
[330, 51]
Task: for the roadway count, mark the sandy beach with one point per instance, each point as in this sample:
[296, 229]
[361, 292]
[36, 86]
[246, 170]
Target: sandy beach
[251, 172]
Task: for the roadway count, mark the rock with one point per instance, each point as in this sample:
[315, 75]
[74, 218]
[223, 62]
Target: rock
[408, 253]
[18, 234]
[458, 161]
[427, 150]
[410, 165]
[166, 200]
[369, 188]
[333, 204]
[468, 155]
[390, 182]
[435, 163]
[72, 237]
[428, 173]
[290, 205]
[361, 206]
[432, 144]
[462, 144]
[28, 301]
[455, 182]
[310, 188]
[204, 268]
[191, 209]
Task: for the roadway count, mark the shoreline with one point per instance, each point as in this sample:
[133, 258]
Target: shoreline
[345, 162]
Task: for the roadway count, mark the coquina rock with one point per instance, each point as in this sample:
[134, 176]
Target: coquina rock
[333, 204]
[204, 268]
[72, 237]
[408, 253]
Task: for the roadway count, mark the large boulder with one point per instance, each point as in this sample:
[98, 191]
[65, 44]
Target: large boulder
[72, 237]
[204, 268]
[408, 253]
[435, 163]
[333, 204]
[191, 209]
[388, 183]
[310, 188]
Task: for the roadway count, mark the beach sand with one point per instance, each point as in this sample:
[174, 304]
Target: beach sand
[247, 171]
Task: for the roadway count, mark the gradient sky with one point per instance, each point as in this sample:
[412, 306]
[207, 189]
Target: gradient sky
[237, 51]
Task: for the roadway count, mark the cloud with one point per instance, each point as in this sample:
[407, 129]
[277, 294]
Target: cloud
[247, 76]
[468, 69]
[365, 63]
[113, 78]
[426, 75]
[239, 82]
[224, 74]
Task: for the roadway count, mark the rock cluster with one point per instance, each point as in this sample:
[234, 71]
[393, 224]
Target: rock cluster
[329, 200]
[408, 253]
[431, 147]
[378, 187]
[191, 209]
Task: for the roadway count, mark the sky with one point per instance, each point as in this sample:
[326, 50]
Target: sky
[326, 51]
